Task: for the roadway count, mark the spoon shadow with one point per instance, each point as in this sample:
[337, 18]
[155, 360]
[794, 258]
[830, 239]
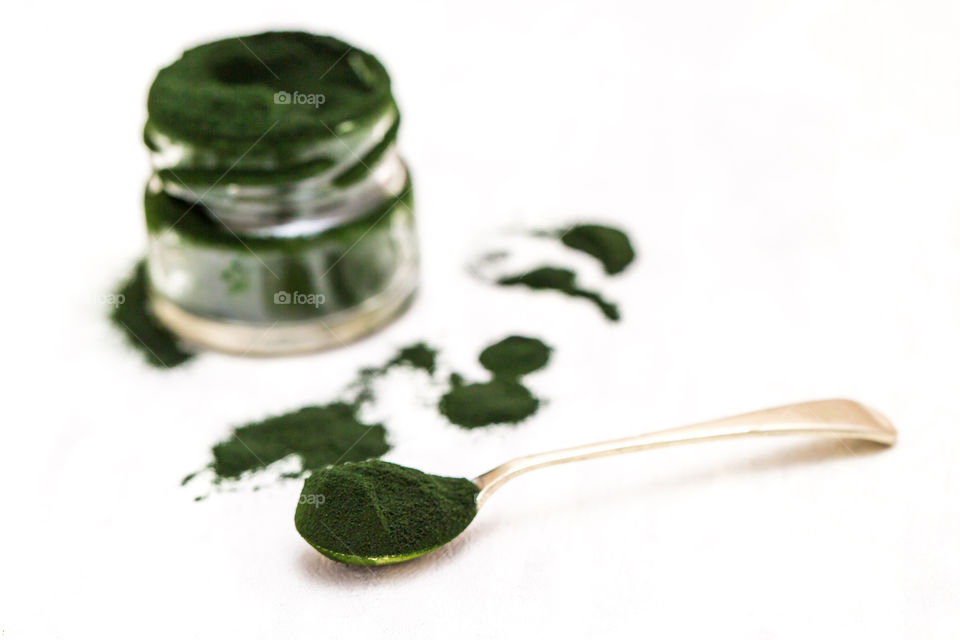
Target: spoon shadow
[322, 569]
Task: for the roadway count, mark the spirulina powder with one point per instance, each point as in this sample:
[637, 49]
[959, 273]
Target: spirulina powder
[318, 435]
[504, 399]
[376, 512]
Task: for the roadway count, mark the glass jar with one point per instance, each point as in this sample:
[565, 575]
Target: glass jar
[293, 230]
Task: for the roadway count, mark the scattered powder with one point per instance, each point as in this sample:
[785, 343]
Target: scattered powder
[319, 435]
[564, 281]
[485, 403]
[376, 512]
[515, 356]
[159, 347]
[608, 245]
[502, 400]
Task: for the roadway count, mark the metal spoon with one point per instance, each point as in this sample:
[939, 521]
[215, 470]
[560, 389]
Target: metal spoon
[838, 419]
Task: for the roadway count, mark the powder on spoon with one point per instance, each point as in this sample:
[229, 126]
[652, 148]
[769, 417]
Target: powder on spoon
[143, 331]
[564, 281]
[376, 512]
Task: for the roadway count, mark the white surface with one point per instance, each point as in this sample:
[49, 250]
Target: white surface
[789, 171]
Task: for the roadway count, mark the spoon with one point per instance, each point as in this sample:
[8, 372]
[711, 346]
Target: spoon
[405, 526]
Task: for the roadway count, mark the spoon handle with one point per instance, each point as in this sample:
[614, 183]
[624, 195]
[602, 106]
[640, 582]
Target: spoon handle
[836, 418]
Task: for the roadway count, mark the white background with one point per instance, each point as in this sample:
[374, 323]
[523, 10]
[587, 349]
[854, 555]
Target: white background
[789, 170]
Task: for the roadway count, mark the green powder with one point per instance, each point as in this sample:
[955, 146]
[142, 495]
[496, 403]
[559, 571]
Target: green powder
[515, 356]
[377, 513]
[132, 316]
[262, 101]
[502, 400]
[564, 281]
[319, 435]
[608, 245]
[418, 356]
[483, 404]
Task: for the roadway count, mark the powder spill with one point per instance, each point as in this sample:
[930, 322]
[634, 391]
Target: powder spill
[502, 400]
[159, 347]
[515, 356]
[376, 512]
[608, 245]
[564, 281]
[319, 435]
[486, 403]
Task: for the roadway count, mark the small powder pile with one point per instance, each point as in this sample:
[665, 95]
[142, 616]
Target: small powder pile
[132, 316]
[564, 281]
[608, 245]
[376, 512]
[319, 435]
[503, 399]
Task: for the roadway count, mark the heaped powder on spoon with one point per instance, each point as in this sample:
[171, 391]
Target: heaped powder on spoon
[376, 512]
[132, 316]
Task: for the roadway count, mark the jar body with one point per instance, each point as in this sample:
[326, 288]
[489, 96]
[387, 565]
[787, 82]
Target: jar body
[276, 295]
[280, 214]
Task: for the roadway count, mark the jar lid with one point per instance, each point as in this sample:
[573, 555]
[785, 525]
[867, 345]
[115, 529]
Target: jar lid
[265, 105]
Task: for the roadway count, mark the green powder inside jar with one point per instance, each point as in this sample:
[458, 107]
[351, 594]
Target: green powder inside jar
[376, 512]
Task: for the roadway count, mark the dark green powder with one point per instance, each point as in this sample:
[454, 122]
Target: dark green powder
[608, 245]
[515, 356]
[564, 281]
[502, 400]
[159, 347]
[319, 435]
[377, 513]
[486, 403]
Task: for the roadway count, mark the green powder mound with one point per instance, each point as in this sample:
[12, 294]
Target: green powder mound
[274, 91]
[377, 513]
[319, 435]
[515, 356]
[481, 404]
[131, 315]
[564, 281]
[608, 245]
[418, 356]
